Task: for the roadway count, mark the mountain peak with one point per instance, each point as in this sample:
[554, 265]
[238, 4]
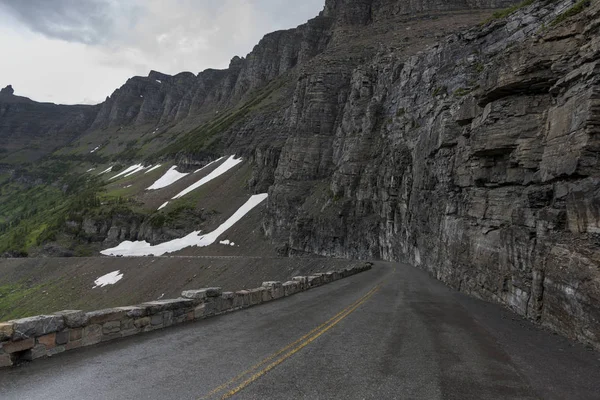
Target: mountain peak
[159, 76]
[8, 90]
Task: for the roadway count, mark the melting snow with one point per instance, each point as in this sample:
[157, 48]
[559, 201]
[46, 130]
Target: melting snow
[106, 170]
[158, 81]
[135, 171]
[90, 170]
[97, 147]
[108, 279]
[170, 177]
[144, 248]
[226, 166]
[127, 171]
[153, 168]
[163, 206]
[227, 243]
[209, 164]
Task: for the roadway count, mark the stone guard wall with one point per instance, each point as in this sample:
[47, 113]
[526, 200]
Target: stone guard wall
[31, 338]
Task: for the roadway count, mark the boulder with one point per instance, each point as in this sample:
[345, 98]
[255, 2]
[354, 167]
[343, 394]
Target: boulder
[73, 318]
[202, 293]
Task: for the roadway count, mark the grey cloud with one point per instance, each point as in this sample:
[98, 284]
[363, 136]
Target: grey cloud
[84, 21]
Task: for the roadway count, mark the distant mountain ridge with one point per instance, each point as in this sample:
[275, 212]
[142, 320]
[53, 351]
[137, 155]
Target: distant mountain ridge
[187, 99]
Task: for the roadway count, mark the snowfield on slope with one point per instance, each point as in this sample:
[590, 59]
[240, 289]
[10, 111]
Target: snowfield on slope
[169, 178]
[108, 279]
[226, 166]
[135, 171]
[208, 165]
[129, 170]
[143, 248]
[153, 168]
[106, 170]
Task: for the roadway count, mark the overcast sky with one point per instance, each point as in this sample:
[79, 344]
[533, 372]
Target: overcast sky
[80, 51]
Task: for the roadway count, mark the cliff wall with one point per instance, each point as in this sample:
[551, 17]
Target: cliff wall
[476, 160]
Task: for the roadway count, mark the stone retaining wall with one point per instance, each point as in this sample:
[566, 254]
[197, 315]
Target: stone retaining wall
[31, 338]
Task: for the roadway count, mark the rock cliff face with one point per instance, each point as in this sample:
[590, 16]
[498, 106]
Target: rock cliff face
[372, 11]
[401, 134]
[29, 129]
[165, 100]
[476, 160]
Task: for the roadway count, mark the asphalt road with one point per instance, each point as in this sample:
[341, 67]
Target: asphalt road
[389, 333]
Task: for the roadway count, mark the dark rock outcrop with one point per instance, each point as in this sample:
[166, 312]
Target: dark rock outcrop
[7, 91]
[476, 160]
[29, 130]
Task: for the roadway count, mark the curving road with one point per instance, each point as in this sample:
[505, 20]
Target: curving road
[389, 333]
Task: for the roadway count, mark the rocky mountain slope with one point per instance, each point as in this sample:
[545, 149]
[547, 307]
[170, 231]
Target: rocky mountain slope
[29, 129]
[407, 131]
[476, 160]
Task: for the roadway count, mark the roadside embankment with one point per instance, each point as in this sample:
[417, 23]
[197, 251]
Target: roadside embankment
[35, 286]
[41, 336]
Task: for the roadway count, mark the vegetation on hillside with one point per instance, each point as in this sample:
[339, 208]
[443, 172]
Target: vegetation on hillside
[500, 14]
[48, 201]
[571, 12]
[38, 200]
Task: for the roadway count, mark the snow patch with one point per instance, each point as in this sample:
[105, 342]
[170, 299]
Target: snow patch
[158, 81]
[97, 147]
[153, 168]
[127, 187]
[108, 279]
[106, 170]
[163, 206]
[227, 243]
[135, 171]
[144, 248]
[169, 178]
[90, 170]
[226, 166]
[127, 171]
[209, 164]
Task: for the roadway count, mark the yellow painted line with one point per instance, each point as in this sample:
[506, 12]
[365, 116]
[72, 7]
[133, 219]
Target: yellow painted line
[283, 350]
[298, 348]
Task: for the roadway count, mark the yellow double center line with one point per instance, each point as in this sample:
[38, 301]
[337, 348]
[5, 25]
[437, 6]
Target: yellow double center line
[289, 351]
